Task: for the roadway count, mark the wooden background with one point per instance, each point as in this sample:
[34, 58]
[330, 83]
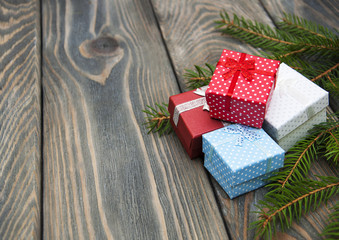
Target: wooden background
[75, 158]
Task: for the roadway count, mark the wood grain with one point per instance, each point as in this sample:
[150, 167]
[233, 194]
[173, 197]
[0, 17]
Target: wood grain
[104, 177]
[323, 12]
[20, 120]
[188, 30]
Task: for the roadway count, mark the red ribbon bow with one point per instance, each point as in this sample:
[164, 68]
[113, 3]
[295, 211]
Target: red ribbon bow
[242, 66]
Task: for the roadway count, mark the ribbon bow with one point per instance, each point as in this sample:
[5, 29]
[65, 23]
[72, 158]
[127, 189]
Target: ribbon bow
[245, 132]
[234, 68]
[242, 66]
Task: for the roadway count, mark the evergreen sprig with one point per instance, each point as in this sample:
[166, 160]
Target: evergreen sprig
[310, 48]
[281, 209]
[331, 231]
[332, 147]
[257, 34]
[295, 25]
[199, 77]
[299, 158]
[158, 119]
[290, 191]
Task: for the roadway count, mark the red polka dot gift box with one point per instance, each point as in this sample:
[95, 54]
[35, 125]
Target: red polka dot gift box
[241, 88]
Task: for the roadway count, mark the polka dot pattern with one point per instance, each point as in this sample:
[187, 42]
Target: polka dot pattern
[250, 98]
[238, 164]
[300, 132]
[239, 189]
[295, 100]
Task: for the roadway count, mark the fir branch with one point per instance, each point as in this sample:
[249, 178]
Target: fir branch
[301, 44]
[331, 231]
[199, 77]
[291, 53]
[256, 34]
[293, 24]
[158, 120]
[332, 147]
[231, 24]
[331, 81]
[263, 36]
[299, 158]
[302, 155]
[291, 202]
[325, 73]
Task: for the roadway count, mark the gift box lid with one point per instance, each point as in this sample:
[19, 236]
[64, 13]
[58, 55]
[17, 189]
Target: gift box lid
[295, 100]
[242, 153]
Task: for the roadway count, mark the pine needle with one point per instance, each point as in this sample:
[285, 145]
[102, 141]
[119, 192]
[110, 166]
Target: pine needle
[158, 119]
[199, 77]
[331, 231]
[299, 158]
[290, 204]
[308, 47]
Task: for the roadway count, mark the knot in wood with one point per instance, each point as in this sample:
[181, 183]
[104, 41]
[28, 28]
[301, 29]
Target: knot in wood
[104, 45]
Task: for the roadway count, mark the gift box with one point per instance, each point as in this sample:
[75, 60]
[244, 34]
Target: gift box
[241, 88]
[189, 120]
[300, 132]
[239, 189]
[297, 104]
[239, 154]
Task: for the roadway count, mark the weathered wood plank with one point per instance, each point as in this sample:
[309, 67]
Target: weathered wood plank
[324, 12]
[188, 30]
[20, 120]
[104, 177]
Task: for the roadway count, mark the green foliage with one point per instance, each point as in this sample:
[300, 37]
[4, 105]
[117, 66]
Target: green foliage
[331, 231]
[256, 34]
[291, 193]
[199, 76]
[158, 120]
[311, 49]
[332, 147]
[283, 207]
[298, 160]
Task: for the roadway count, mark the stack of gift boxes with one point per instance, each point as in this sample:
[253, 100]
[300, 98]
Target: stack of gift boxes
[253, 110]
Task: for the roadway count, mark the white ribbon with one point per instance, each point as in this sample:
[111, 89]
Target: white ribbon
[245, 132]
[186, 106]
[201, 92]
[290, 86]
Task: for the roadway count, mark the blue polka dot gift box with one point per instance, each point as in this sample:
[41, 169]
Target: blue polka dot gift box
[240, 158]
[239, 189]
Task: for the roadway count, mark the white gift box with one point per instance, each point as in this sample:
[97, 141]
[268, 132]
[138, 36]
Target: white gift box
[300, 132]
[296, 105]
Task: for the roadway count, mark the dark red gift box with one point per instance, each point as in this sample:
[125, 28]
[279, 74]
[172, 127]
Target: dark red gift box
[191, 124]
[241, 88]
